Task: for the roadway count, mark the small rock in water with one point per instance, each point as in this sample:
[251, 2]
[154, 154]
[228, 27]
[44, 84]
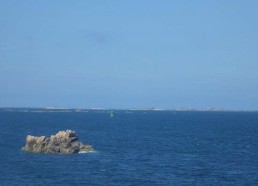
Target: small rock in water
[64, 142]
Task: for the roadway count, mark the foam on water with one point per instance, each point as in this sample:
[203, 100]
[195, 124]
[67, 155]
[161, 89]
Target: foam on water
[84, 152]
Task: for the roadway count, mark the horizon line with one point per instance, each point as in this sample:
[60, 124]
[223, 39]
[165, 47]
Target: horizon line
[211, 109]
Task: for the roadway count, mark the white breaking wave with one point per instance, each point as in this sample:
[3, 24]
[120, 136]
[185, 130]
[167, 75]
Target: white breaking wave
[83, 152]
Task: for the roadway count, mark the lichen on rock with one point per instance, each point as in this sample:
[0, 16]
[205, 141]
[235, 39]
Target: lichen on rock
[64, 142]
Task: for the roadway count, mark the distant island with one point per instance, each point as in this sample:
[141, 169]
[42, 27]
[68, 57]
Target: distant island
[62, 109]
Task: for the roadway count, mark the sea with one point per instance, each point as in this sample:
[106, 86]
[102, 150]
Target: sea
[133, 147]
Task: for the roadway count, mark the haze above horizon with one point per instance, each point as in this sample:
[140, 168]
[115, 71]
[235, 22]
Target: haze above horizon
[125, 54]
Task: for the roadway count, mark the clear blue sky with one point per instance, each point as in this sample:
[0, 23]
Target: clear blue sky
[122, 54]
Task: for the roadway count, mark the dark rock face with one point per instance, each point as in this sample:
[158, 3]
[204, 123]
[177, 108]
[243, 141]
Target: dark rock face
[64, 142]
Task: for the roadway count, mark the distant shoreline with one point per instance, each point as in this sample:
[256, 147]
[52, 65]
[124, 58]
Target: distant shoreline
[52, 109]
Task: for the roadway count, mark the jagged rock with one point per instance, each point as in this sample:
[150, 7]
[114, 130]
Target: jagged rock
[64, 142]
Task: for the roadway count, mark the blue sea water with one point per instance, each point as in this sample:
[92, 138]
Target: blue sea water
[134, 148]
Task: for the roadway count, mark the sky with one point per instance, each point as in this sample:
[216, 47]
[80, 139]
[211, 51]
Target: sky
[123, 54]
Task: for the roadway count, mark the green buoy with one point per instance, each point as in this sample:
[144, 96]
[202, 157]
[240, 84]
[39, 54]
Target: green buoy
[111, 114]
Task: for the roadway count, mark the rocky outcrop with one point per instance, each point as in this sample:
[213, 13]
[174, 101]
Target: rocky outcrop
[64, 142]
